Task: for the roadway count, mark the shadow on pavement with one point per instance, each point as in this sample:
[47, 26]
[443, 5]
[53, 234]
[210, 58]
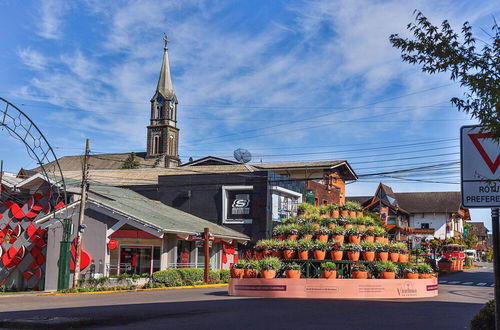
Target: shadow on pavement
[255, 313]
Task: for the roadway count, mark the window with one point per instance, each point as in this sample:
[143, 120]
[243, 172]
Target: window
[156, 145]
[237, 204]
[171, 145]
[424, 226]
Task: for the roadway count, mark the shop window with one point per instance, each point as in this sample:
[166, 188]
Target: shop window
[424, 226]
[156, 258]
[136, 259]
[184, 254]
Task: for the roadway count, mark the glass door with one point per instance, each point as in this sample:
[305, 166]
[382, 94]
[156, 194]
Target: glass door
[135, 259]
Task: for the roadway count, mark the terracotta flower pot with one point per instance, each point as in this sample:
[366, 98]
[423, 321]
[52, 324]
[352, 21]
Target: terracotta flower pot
[339, 238]
[394, 256]
[237, 272]
[361, 227]
[383, 256]
[370, 227]
[266, 253]
[411, 276]
[386, 240]
[379, 239]
[280, 237]
[276, 254]
[425, 276]
[344, 213]
[388, 275]
[370, 239]
[331, 226]
[352, 214]
[360, 275]
[319, 255]
[322, 238]
[307, 236]
[268, 273]
[403, 257]
[369, 255]
[335, 214]
[289, 254]
[352, 255]
[293, 237]
[292, 273]
[337, 255]
[348, 226]
[329, 274]
[250, 273]
[354, 239]
[303, 255]
[359, 214]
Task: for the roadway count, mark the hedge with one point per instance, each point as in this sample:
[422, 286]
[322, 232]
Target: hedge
[485, 319]
[189, 276]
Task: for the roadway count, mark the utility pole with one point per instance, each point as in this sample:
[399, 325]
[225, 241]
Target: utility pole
[81, 217]
[496, 262]
[206, 239]
[1, 176]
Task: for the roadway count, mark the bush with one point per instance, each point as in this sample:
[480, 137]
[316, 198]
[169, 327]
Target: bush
[169, 277]
[224, 275]
[214, 275]
[485, 319]
[191, 275]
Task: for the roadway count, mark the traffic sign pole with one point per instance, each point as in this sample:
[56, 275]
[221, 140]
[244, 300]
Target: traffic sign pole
[496, 263]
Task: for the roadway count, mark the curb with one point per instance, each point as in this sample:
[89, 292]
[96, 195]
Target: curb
[136, 290]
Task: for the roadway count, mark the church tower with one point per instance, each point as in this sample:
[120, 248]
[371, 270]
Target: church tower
[163, 134]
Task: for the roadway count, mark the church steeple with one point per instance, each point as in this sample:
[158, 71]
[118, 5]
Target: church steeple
[163, 134]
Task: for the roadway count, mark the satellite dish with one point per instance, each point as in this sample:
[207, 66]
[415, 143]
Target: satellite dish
[242, 155]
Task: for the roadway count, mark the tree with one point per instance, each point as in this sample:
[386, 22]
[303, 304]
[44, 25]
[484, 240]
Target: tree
[442, 50]
[131, 162]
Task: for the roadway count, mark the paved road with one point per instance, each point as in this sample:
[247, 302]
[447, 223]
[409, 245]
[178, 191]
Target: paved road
[211, 308]
[482, 276]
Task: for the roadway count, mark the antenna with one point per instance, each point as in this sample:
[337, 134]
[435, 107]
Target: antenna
[242, 155]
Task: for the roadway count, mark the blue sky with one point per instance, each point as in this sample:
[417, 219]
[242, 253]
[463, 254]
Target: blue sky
[288, 80]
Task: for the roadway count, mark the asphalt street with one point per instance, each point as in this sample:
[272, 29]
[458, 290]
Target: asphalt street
[212, 308]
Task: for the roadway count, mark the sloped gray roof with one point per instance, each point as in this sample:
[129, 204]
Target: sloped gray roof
[426, 202]
[156, 214]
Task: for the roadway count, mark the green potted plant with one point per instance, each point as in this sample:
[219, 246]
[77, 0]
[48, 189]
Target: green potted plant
[410, 271]
[425, 271]
[359, 271]
[292, 231]
[289, 220]
[336, 250]
[276, 248]
[328, 270]
[386, 269]
[338, 234]
[304, 245]
[379, 233]
[289, 249]
[354, 235]
[353, 208]
[263, 246]
[368, 235]
[307, 230]
[292, 270]
[370, 223]
[334, 210]
[403, 251]
[353, 251]
[322, 234]
[323, 211]
[251, 269]
[368, 249]
[268, 267]
[304, 209]
[342, 221]
[394, 252]
[279, 232]
[382, 250]
[238, 268]
[328, 223]
[319, 249]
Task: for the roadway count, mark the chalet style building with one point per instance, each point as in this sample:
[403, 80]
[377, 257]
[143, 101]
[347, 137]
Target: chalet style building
[425, 214]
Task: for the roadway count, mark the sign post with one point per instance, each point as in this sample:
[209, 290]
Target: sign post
[207, 254]
[480, 159]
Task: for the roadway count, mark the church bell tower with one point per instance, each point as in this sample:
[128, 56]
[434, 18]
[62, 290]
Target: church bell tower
[163, 134]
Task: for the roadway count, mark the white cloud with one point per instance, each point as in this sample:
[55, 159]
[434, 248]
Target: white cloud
[33, 58]
[51, 14]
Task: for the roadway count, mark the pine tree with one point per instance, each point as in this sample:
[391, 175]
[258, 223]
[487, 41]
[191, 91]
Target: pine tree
[130, 162]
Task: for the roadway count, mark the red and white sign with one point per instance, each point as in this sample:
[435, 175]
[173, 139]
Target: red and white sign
[112, 244]
[480, 161]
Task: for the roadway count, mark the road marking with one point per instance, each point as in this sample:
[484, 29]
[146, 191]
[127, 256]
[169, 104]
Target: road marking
[455, 282]
[467, 283]
[481, 284]
[441, 282]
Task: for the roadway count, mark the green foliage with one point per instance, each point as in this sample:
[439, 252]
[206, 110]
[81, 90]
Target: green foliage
[469, 262]
[354, 231]
[359, 268]
[351, 247]
[485, 319]
[489, 255]
[332, 207]
[425, 269]
[304, 244]
[352, 206]
[240, 264]
[385, 266]
[379, 231]
[131, 162]
[191, 275]
[320, 246]
[263, 244]
[99, 289]
[169, 277]
[224, 275]
[252, 264]
[368, 246]
[443, 50]
[270, 263]
[398, 248]
[323, 209]
[335, 245]
[328, 266]
[307, 229]
[290, 244]
[290, 220]
[340, 231]
[322, 231]
[381, 247]
[471, 241]
[292, 266]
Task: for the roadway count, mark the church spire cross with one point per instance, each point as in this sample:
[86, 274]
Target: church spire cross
[165, 39]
